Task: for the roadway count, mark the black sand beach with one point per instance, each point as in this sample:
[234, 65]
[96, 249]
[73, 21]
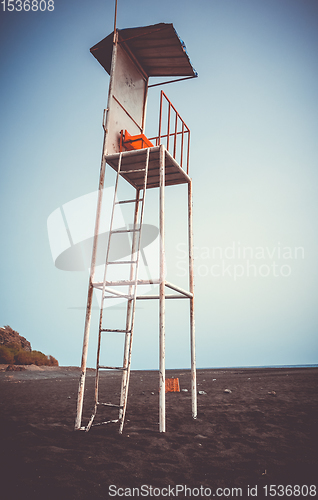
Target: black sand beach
[262, 433]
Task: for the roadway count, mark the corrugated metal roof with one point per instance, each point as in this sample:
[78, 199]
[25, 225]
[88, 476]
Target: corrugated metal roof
[158, 49]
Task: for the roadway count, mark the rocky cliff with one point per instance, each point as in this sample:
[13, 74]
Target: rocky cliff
[9, 336]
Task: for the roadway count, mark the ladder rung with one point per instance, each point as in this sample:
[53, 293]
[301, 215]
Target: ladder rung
[116, 331]
[112, 368]
[128, 297]
[110, 404]
[127, 201]
[124, 230]
[131, 171]
[106, 422]
[122, 262]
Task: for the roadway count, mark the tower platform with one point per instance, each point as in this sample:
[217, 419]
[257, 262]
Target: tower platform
[132, 161]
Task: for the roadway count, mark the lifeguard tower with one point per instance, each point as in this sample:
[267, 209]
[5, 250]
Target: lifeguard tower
[132, 56]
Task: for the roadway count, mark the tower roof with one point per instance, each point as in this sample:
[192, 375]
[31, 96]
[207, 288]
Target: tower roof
[158, 49]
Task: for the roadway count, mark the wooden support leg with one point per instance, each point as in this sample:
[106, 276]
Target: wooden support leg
[162, 375]
[192, 326]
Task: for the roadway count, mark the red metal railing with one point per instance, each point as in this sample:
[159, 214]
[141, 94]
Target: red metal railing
[173, 132]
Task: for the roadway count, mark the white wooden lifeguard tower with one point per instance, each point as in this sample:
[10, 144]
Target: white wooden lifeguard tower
[131, 56]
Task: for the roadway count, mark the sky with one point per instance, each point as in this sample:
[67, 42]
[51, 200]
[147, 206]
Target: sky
[253, 116]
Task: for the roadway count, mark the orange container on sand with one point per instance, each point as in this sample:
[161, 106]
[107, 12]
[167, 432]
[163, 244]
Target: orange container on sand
[172, 385]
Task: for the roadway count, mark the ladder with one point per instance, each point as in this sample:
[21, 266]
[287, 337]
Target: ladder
[130, 296]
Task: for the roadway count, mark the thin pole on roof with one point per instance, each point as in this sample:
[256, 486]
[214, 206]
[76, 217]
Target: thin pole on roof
[115, 19]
